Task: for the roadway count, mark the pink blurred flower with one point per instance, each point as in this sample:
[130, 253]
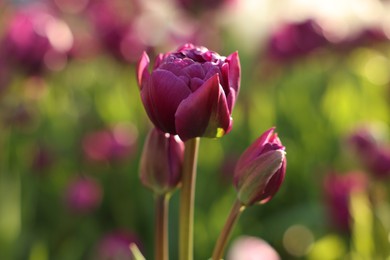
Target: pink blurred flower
[251, 248]
[115, 245]
[110, 144]
[35, 39]
[83, 195]
[338, 189]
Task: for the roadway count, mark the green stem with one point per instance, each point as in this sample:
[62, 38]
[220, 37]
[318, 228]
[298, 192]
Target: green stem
[187, 199]
[225, 233]
[161, 235]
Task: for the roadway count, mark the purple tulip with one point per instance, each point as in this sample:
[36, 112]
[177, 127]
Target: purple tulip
[338, 189]
[190, 92]
[260, 170]
[83, 195]
[161, 161]
[295, 40]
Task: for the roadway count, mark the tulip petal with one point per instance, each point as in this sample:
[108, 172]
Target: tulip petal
[254, 149]
[193, 114]
[234, 71]
[142, 69]
[274, 183]
[158, 60]
[166, 91]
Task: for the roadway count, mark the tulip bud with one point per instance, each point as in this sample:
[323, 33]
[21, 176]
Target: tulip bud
[161, 161]
[190, 92]
[260, 170]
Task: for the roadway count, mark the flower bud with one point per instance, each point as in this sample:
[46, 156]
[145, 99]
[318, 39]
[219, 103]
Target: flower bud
[191, 92]
[161, 161]
[260, 170]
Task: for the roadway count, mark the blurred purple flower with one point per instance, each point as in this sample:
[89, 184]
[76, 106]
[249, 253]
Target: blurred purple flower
[261, 169]
[367, 36]
[294, 40]
[35, 39]
[110, 144]
[161, 162]
[378, 162]
[338, 189]
[362, 141]
[190, 92]
[117, 34]
[373, 153]
[83, 195]
[115, 246]
[251, 248]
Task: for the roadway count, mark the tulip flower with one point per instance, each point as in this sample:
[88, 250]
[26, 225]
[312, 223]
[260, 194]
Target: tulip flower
[258, 175]
[260, 170]
[161, 161]
[190, 92]
[161, 171]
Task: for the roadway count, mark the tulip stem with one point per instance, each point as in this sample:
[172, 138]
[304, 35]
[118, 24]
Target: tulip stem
[161, 235]
[234, 214]
[187, 199]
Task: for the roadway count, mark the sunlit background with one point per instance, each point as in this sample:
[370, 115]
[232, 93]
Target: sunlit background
[72, 125]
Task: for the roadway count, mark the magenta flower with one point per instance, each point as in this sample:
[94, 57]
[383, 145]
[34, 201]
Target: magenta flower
[115, 245]
[338, 189]
[260, 170]
[294, 40]
[83, 195]
[190, 92]
[161, 161]
[35, 39]
[117, 34]
[109, 145]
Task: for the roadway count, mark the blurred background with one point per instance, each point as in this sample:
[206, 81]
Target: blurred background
[72, 125]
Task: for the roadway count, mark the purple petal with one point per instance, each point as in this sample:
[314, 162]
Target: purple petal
[158, 60]
[165, 94]
[194, 70]
[234, 71]
[274, 183]
[142, 69]
[255, 148]
[193, 114]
